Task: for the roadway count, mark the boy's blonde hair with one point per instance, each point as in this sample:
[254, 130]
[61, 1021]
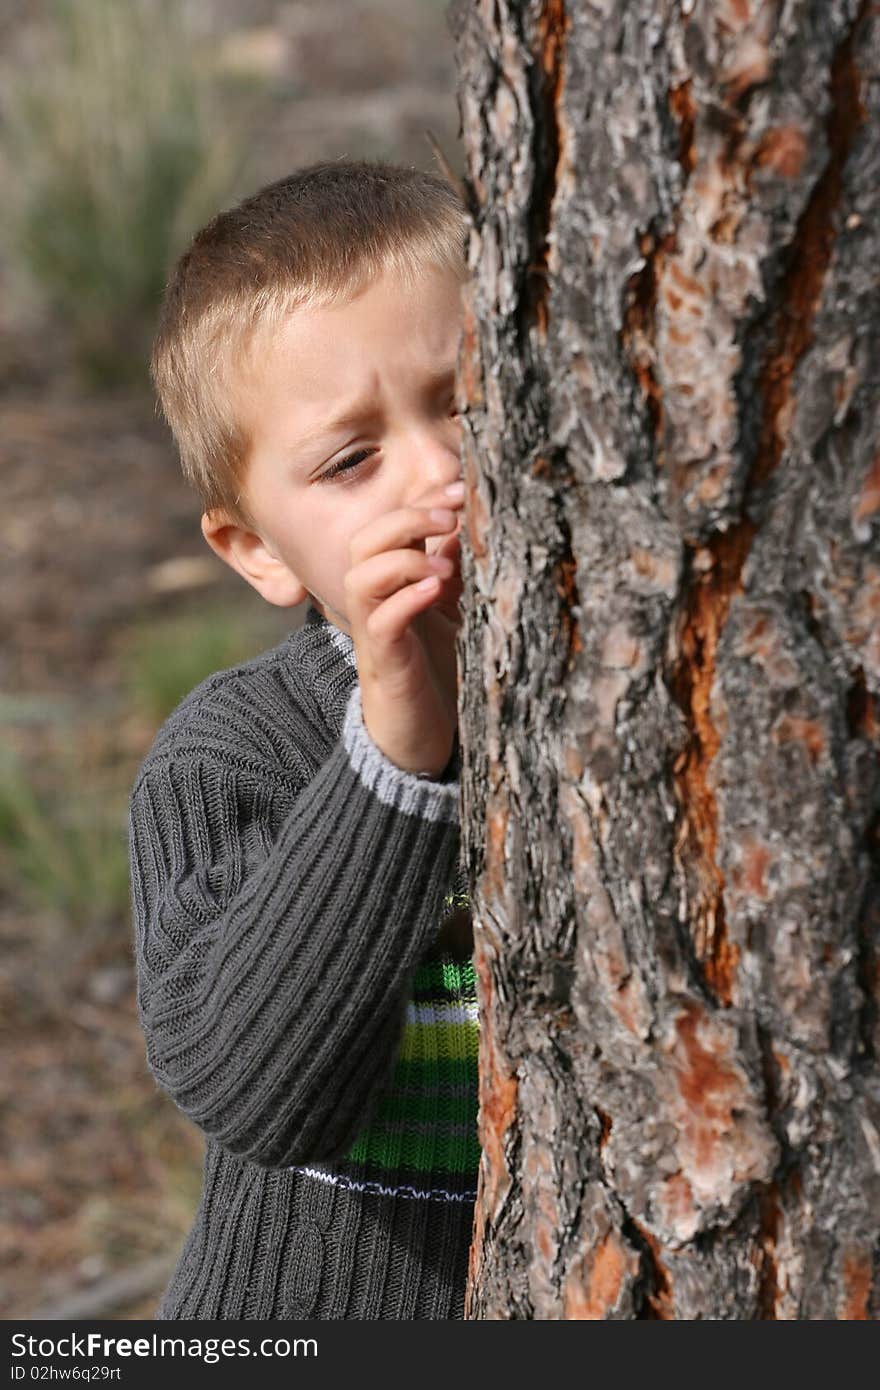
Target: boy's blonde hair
[311, 239]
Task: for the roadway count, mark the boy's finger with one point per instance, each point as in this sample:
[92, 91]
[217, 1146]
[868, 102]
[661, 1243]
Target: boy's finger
[387, 629]
[373, 580]
[444, 495]
[407, 526]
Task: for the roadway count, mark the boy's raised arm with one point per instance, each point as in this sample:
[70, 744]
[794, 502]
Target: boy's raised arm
[278, 929]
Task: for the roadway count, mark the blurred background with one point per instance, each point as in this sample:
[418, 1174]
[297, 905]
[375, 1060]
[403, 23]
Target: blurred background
[124, 125]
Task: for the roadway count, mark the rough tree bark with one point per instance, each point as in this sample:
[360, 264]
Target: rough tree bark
[671, 653]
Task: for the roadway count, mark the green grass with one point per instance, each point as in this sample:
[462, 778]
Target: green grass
[164, 659]
[117, 147]
[65, 849]
[63, 824]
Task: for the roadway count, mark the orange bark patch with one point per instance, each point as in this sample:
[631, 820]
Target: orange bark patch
[541, 467]
[790, 729]
[606, 1277]
[629, 1005]
[675, 335]
[470, 376]
[591, 1290]
[749, 874]
[573, 762]
[706, 1079]
[855, 1279]
[783, 150]
[496, 827]
[686, 282]
[682, 107]
[722, 1138]
[713, 481]
[545, 1242]
[755, 863]
[497, 1094]
[755, 868]
[869, 497]
[737, 13]
[660, 569]
[476, 519]
[757, 630]
[553, 25]
[497, 1111]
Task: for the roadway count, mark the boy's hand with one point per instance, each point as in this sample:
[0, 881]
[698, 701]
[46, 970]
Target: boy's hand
[403, 635]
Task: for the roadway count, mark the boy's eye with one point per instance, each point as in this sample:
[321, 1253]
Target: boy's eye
[350, 464]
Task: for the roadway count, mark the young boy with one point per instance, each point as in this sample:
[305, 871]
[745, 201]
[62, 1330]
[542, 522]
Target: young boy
[306, 994]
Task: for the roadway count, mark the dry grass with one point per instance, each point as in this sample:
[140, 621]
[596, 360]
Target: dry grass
[120, 149]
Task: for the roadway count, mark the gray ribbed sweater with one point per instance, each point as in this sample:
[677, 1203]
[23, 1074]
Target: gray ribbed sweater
[288, 884]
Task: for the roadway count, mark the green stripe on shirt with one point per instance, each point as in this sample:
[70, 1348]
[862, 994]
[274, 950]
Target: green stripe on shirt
[426, 1119]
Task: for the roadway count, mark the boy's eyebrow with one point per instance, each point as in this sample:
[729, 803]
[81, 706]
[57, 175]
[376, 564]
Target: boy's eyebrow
[351, 415]
[358, 410]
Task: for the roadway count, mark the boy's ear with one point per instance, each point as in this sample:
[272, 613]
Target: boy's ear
[251, 557]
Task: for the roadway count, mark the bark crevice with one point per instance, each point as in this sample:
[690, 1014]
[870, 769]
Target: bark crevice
[805, 264]
[546, 79]
[652, 1291]
[863, 722]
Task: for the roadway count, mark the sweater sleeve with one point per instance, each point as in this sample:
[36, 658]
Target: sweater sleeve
[275, 950]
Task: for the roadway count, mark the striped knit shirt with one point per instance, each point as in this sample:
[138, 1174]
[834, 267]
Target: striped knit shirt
[288, 887]
[422, 1141]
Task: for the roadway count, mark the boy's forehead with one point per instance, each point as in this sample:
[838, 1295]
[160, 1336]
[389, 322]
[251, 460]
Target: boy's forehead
[335, 347]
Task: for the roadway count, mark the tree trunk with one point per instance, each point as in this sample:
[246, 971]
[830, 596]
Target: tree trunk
[670, 654]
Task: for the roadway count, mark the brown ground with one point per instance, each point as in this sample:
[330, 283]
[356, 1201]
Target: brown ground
[99, 1174]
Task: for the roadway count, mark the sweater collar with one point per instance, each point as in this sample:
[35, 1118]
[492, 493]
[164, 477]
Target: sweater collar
[328, 652]
[341, 641]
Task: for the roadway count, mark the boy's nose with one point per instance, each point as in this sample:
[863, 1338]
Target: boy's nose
[439, 466]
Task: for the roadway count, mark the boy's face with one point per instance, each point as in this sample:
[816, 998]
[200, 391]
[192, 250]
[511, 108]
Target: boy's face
[385, 362]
